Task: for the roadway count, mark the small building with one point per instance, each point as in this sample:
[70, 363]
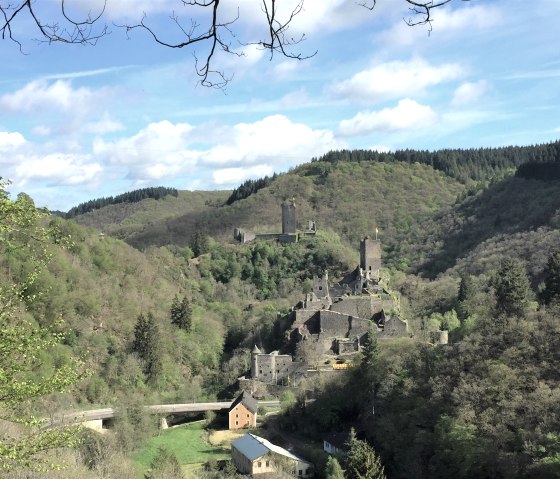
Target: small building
[335, 443]
[243, 412]
[256, 456]
[273, 368]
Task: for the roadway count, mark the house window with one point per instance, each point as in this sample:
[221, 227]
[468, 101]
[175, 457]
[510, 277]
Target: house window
[306, 472]
[237, 423]
[300, 473]
[267, 463]
[259, 464]
[247, 416]
[236, 415]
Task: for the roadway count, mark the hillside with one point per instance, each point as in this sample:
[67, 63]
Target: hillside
[127, 219]
[350, 199]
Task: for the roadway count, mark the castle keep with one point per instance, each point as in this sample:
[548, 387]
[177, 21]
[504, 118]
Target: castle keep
[290, 233]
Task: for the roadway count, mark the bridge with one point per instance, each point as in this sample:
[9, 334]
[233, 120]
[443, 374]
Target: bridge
[94, 418]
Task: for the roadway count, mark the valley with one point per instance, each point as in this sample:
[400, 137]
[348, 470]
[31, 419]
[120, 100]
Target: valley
[422, 313]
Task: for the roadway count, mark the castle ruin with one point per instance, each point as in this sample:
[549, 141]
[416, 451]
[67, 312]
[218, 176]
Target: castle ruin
[290, 233]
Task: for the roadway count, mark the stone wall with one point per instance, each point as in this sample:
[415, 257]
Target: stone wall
[359, 306]
[271, 367]
[335, 325]
[394, 327]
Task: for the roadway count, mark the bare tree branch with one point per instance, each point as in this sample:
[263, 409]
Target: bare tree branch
[74, 31]
[216, 35]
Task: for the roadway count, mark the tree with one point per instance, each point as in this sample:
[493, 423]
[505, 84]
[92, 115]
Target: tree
[181, 313]
[333, 469]
[147, 343]
[362, 462]
[21, 341]
[511, 287]
[205, 24]
[165, 466]
[467, 291]
[551, 290]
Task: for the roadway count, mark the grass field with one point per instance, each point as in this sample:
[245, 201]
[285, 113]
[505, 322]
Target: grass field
[188, 444]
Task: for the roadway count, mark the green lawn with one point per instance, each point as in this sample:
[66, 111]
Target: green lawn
[186, 442]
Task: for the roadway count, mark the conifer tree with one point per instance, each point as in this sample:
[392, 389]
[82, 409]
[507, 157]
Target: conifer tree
[147, 344]
[362, 462]
[467, 291]
[551, 290]
[333, 470]
[181, 313]
[511, 289]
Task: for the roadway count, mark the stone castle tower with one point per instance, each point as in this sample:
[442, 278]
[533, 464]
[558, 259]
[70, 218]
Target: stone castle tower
[289, 217]
[370, 257]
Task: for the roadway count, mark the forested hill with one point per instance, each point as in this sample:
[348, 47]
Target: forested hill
[462, 164]
[431, 212]
[129, 197]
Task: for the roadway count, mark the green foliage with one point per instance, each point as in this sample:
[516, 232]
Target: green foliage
[361, 461]
[147, 343]
[22, 345]
[164, 465]
[333, 469]
[249, 187]
[130, 197]
[181, 313]
[511, 289]
[551, 290]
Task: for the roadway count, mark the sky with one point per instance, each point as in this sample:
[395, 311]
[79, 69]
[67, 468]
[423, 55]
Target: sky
[79, 122]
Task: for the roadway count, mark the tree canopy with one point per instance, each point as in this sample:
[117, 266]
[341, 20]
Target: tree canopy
[22, 342]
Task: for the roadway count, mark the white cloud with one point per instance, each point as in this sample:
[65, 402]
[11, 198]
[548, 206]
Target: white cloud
[56, 169]
[407, 115]
[274, 138]
[157, 151]
[10, 141]
[235, 176]
[446, 23]
[38, 95]
[469, 92]
[105, 125]
[166, 150]
[395, 79]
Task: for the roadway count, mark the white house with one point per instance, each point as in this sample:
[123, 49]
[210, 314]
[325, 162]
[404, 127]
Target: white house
[255, 455]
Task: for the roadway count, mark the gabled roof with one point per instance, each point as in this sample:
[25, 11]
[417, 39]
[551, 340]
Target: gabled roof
[247, 400]
[253, 447]
[250, 447]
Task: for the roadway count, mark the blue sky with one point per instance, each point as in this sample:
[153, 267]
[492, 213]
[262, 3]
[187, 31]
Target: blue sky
[79, 122]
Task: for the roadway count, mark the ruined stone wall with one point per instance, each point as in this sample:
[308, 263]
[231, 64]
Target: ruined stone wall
[301, 316]
[370, 256]
[288, 218]
[321, 286]
[394, 327]
[334, 324]
[359, 306]
[272, 367]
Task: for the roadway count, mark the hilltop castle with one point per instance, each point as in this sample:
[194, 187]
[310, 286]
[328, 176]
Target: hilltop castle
[336, 318]
[290, 233]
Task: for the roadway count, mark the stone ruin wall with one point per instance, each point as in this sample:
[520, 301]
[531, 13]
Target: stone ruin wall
[336, 325]
[362, 307]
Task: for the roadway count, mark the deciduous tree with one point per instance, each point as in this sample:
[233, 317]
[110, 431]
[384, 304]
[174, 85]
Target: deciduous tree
[22, 342]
